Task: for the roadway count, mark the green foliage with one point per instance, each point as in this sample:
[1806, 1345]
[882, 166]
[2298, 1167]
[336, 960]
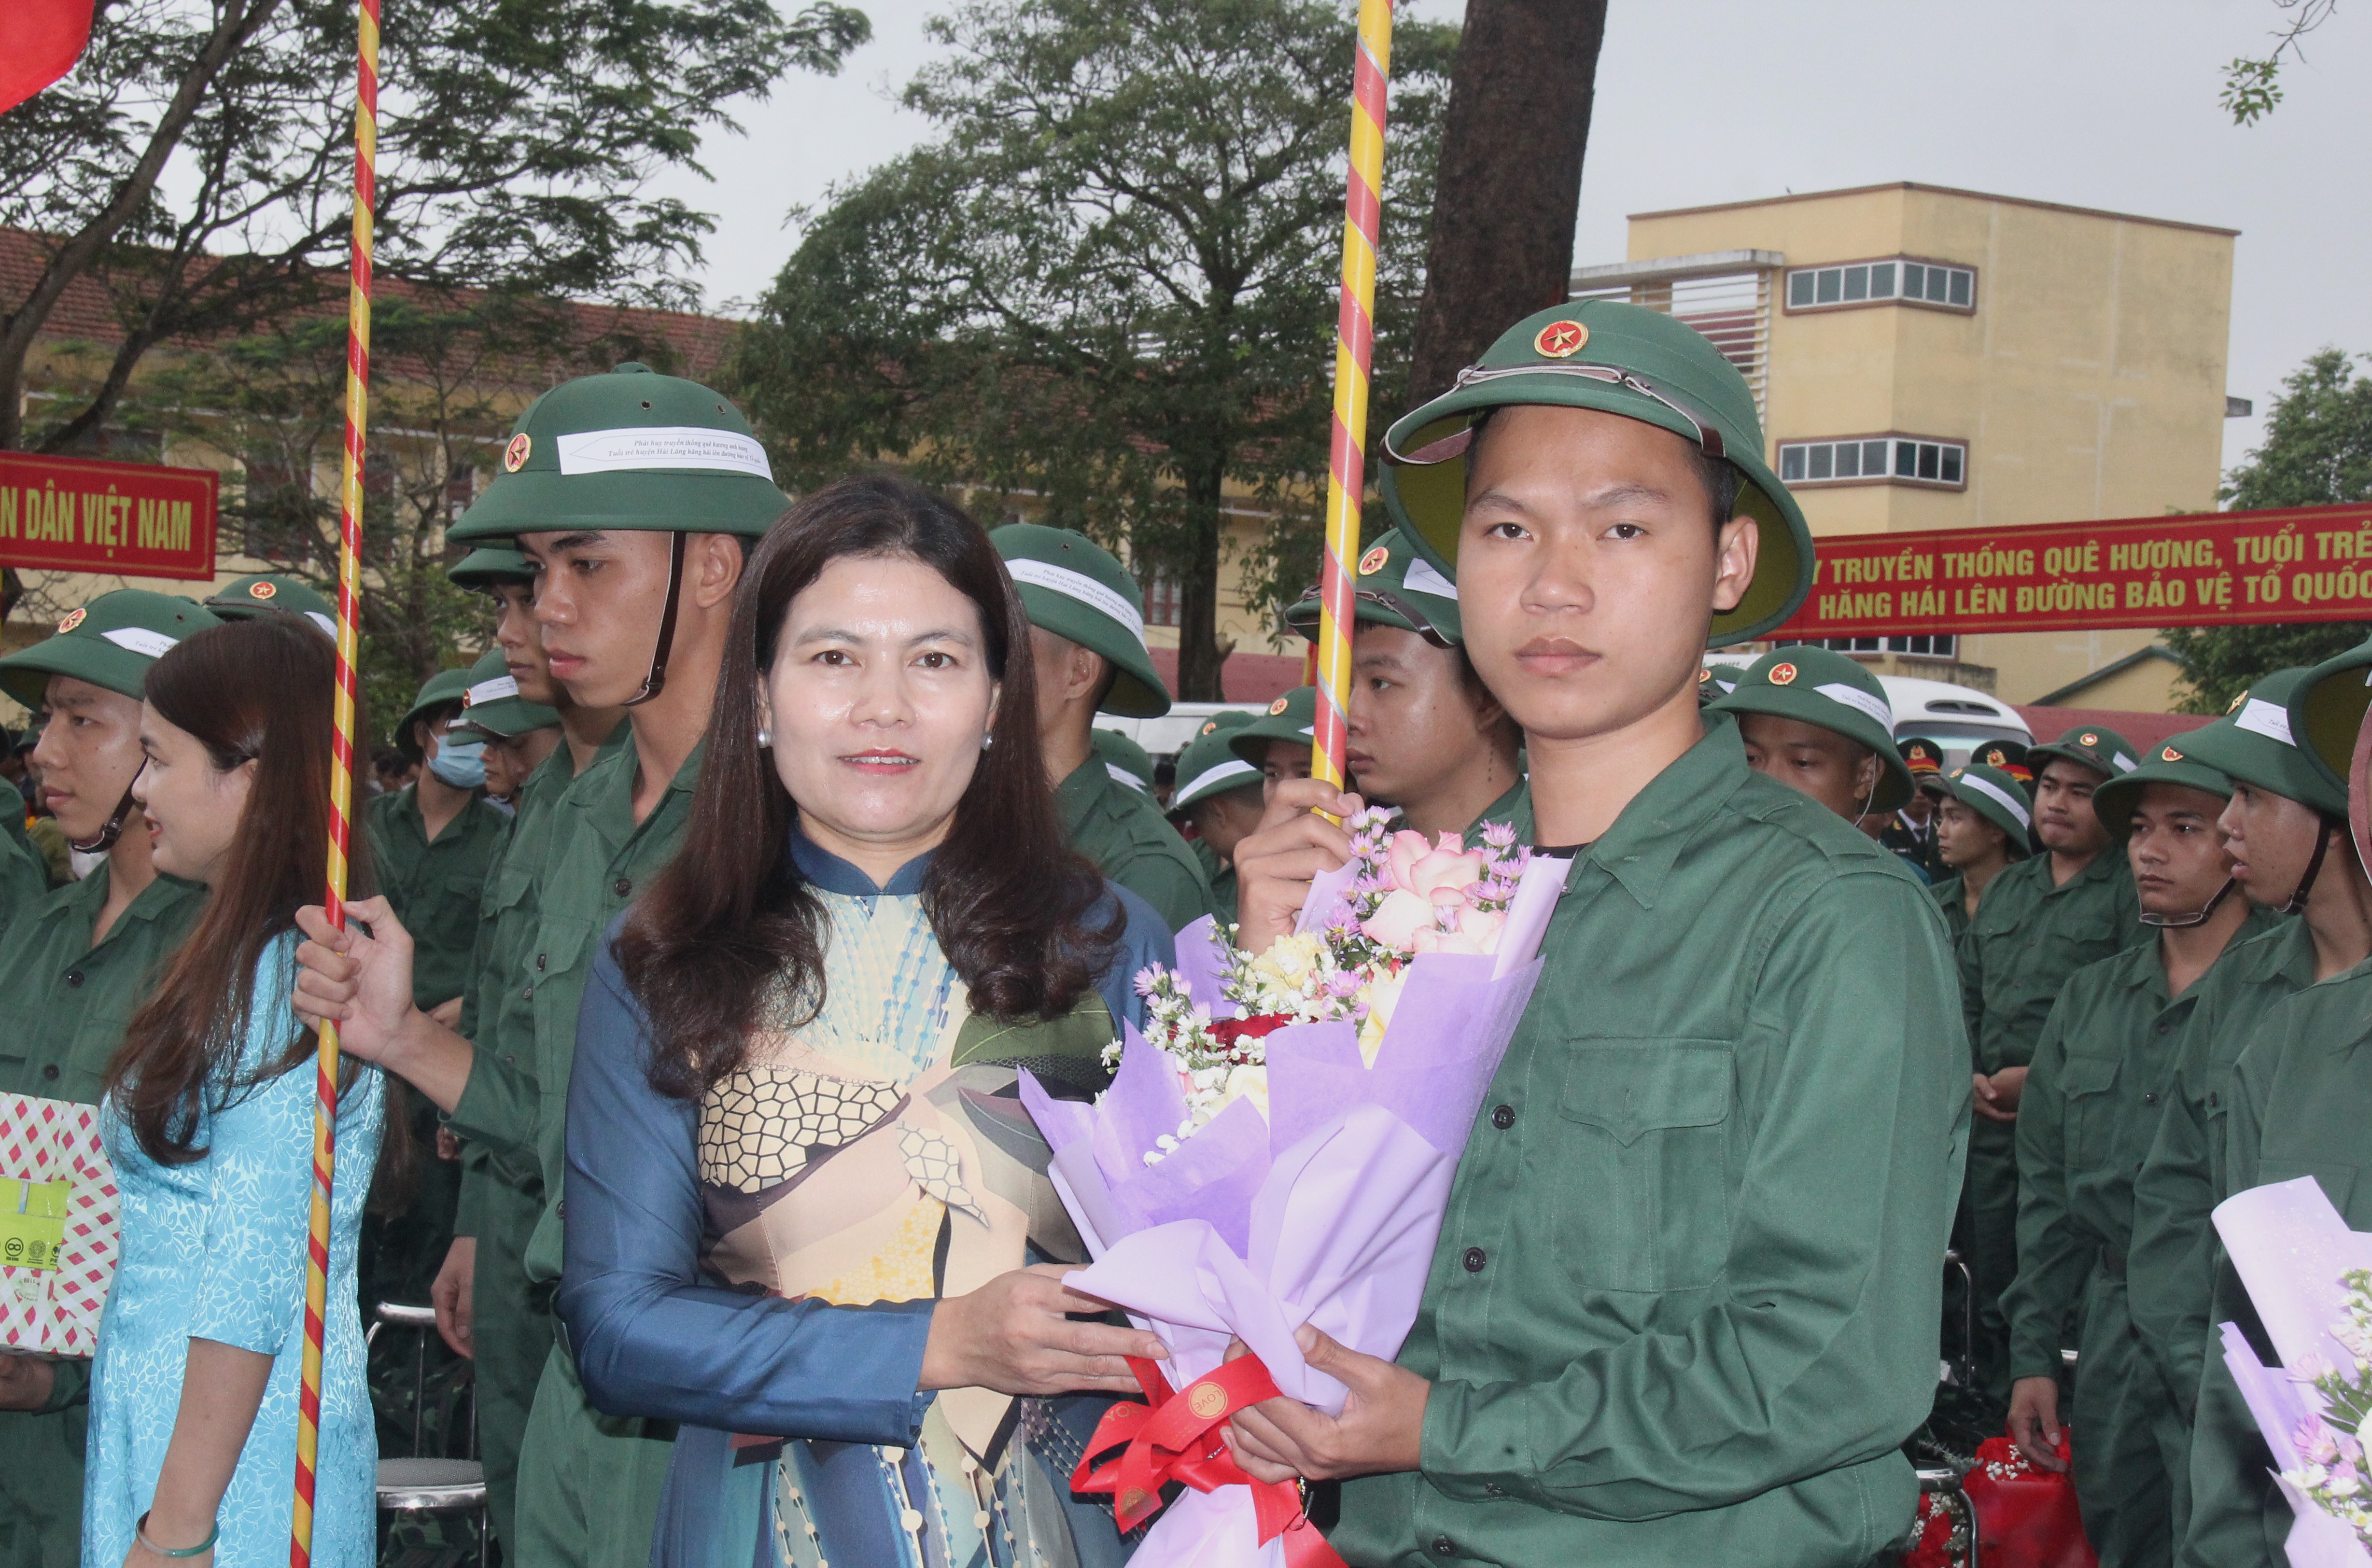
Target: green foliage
[1104, 295]
[2317, 452]
[2252, 86]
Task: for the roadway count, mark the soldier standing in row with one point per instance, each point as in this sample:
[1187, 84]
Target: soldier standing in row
[1817, 722]
[1982, 822]
[1218, 794]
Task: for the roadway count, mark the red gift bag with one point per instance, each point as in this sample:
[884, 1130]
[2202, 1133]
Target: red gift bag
[2026, 1517]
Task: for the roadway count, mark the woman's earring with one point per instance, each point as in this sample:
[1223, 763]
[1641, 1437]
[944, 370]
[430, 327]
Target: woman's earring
[987, 741]
[765, 738]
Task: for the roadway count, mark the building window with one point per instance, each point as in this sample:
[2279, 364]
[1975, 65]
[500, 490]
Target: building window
[1944, 646]
[1164, 600]
[1910, 459]
[1898, 280]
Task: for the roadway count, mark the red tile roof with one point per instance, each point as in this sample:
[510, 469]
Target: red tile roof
[2147, 731]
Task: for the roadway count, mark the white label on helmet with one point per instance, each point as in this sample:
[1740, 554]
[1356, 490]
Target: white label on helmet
[1122, 775]
[2269, 719]
[1086, 589]
[493, 690]
[2124, 764]
[1211, 777]
[142, 641]
[1995, 793]
[662, 447]
[329, 627]
[1853, 697]
[1423, 579]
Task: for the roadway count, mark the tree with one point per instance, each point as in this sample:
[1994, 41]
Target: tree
[516, 140]
[1511, 181]
[2253, 85]
[1105, 291]
[2317, 452]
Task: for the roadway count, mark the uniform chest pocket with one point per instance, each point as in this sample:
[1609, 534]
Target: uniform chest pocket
[1639, 1169]
[2089, 1083]
[2338, 1180]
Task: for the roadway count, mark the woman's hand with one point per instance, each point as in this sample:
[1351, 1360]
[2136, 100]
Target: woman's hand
[1013, 1335]
[362, 984]
[1276, 862]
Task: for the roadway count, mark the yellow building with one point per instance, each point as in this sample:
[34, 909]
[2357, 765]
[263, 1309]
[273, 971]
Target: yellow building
[1932, 358]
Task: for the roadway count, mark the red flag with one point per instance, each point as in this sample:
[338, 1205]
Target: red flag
[40, 42]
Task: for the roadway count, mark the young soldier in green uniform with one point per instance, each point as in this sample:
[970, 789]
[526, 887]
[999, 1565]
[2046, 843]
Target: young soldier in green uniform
[2297, 1101]
[1817, 722]
[1424, 733]
[268, 593]
[2085, 1122]
[1278, 741]
[2042, 921]
[1983, 823]
[75, 969]
[2286, 836]
[1086, 640]
[1219, 794]
[432, 842]
[1684, 1306]
[631, 494]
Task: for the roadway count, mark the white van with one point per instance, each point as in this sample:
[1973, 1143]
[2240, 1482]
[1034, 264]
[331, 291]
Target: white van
[1167, 736]
[1959, 718]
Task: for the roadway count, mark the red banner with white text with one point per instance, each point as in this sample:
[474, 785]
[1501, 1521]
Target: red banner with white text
[2210, 569]
[81, 515]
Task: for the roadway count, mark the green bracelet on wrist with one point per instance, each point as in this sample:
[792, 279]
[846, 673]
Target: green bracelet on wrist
[141, 1530]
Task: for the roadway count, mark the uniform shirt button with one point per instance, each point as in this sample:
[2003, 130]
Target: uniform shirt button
[528, 994]
[1503, 1117]
[2211, 1099]
[623, 886]
[1443, 1546]
[1474, 1259]
[2150, 1099]
[50, 1072]
[74, 978]
[538, 962]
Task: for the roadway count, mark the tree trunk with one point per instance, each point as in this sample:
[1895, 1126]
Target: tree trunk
[1510, 180]
[1198, 609]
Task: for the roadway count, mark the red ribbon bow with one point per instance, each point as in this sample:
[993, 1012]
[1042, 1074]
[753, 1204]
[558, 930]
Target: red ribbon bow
[1176, 1435]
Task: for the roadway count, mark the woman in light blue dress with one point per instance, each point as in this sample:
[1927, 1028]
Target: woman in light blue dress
[209, 1120]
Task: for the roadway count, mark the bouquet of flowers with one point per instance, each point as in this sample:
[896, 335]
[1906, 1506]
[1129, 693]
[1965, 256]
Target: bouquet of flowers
[1278, 1149]
[2310, 1279]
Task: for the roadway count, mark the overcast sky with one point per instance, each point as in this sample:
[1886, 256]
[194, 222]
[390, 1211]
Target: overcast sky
[2101, 103]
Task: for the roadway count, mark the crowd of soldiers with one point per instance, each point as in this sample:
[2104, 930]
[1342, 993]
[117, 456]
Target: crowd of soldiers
[2129, 931]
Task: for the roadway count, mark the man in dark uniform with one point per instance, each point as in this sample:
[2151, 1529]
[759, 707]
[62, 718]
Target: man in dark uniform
[1911, 833]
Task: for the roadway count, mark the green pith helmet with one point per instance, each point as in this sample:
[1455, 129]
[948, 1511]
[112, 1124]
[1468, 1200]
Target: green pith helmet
[1076, 588]
[1225, 718]
[1999, 799]
[2115, 802]
[1124, 760]
[2090, 746]
[630, 449]
[110, 641]
[1395, 586]
[1715, 681]
[443, 689]
[1209, 767]
[491, 702]
[1923, 757]
[1293, 716]
[2255, 743]
[243, 598]
[492, 566]
[2009, 756]
[1622, 359]
[2327, 709]
[1822, 687]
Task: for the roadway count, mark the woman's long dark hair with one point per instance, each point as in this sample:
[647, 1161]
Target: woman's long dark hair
[1014, 908]
[251, 691]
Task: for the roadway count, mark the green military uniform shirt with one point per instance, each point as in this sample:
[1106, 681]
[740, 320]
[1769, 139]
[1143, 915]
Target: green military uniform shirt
[1684, 1306]
[1513, 808]
[1952, 896]
[24, 875]
[433, 887]
[2300, 1102]
[69, 1004]
[1124, 834]
[1220, 876]
[2171, 1262]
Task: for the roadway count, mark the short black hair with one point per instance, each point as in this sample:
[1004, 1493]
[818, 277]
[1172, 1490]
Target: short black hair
[1719, 478]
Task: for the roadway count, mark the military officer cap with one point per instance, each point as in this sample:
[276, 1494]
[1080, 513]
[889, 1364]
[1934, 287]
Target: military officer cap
[110, 641]
[2255, 742]
[1209, 766]
[1622, 359]
[629, 450]
[445, 689]
[2000, 799]
[1124, 760]
[491, 566]
[1822, 687]
[1076, 588]
[2172, 762]
[243, 599]
[1923, 757]
[2089, 746]
[2327, 709]
[1395, 586]
[1293, 716]
[491, 702]
[2009, 756]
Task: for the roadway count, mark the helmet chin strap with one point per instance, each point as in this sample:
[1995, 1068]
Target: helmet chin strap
[2296, 904]
[105, 839]
[655, 682]
[2198, 917]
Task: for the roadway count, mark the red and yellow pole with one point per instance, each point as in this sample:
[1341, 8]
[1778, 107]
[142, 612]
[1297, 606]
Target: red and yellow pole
[1355, 339]
[341, 776]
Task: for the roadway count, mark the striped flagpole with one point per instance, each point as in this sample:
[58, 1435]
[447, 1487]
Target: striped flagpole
[1355, 339]
[342, 774]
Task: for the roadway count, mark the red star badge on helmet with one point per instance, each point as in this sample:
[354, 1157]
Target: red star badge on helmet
[1561, 339]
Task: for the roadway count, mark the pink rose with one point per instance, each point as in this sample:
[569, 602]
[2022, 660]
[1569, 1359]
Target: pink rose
[1397, 920]
[1477, 931]
[1425, 878]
